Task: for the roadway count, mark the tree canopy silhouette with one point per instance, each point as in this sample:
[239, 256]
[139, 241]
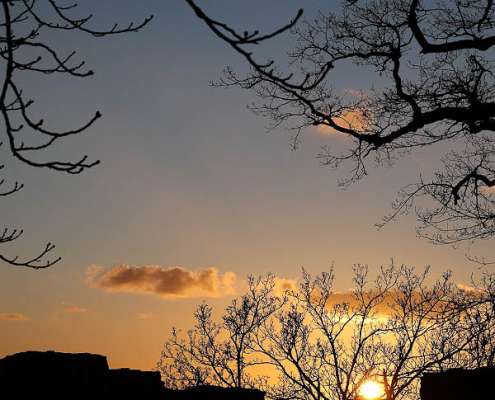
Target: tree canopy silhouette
[433, 63]
[314, 342]
[27, 48]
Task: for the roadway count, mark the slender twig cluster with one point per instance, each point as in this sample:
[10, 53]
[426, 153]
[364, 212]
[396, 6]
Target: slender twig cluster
[25, 48]
[314, 342]
[434, 85]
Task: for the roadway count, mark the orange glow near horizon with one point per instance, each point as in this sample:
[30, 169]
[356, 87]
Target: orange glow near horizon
[371, 390]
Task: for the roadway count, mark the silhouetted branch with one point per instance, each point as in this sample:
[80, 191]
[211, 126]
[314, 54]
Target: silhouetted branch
[438, 86]
[23, 48]
[314, 342]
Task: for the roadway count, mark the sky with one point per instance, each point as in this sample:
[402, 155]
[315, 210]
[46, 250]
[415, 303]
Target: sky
[192, 189]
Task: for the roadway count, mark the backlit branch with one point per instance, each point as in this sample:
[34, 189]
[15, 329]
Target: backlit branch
[24, 48]
[318, 343]
[436, 86]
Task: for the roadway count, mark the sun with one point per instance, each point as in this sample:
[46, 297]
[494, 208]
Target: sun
[371, 390]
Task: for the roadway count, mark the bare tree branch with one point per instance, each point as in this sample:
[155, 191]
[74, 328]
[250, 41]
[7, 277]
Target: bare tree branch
[23, 48]
[315, 343]
[435, 62]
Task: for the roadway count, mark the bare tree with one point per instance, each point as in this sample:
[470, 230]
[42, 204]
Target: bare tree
[317, 343]
[220, 353]
[26, 48]
[477, 304]
[435, 86]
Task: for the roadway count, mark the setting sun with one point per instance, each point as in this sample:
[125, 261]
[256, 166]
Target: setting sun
[371, 390]
[156, 243]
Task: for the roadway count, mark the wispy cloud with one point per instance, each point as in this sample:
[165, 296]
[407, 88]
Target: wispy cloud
[487, 190]
[13, 317]
[166, 282]
[283, 285]
[468, 289]
[145, 315]
[75, 310]
[350, 119]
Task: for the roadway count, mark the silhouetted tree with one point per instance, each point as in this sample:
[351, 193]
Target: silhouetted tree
[27, 46]
[317, 343]
[434, 86]
[478, 307]
[220, 352]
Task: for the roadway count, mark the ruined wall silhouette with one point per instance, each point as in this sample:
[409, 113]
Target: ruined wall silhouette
[459, 384]
[54, 375]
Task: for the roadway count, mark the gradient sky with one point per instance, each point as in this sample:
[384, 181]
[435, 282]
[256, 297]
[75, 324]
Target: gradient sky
[189, 178]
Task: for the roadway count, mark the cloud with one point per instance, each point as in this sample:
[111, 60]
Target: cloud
[145, 315]
[487, 190]
[470, 290]
[381, 311]
[13, 317]
[283, 285]
[75, 310]
[348, 302]
[166, 282]
[351, 119]
[354, 92]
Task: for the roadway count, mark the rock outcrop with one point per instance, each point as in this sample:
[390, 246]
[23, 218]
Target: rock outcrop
[458, 384]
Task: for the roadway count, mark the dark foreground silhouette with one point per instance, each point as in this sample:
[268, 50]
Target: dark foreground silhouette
[50, 375]
[53, 375]
[459, 384]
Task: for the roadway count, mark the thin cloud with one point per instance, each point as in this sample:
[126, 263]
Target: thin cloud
[351, 119]
[337, 299]
[355, 92]
[145, 315]
[13, 317]
[487, 190]
[471, 290]
[75, 310]
[283, 285]
[166, 282]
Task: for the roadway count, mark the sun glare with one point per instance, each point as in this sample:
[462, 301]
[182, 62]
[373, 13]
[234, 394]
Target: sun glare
[371, 390]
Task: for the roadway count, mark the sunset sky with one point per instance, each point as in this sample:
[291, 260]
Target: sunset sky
[191, 189]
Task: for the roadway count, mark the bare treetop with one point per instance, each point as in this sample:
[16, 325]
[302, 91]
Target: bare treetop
[24, 48]
[435, 58]
[312, 342]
